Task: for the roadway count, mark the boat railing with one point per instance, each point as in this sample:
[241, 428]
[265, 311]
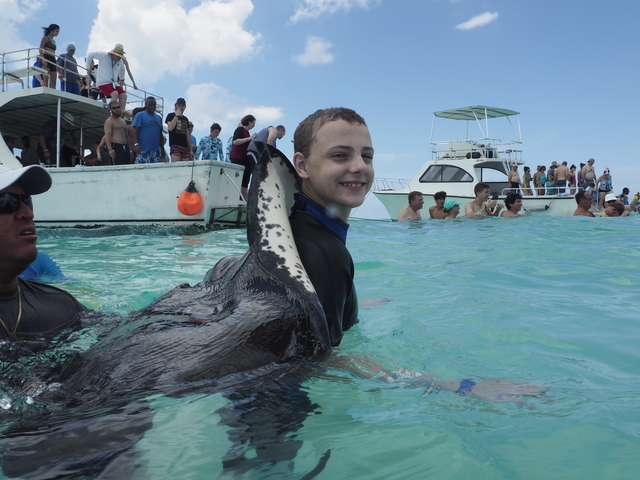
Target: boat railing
[480, 148]
[567, 191]
[386, 184]
[19, 66]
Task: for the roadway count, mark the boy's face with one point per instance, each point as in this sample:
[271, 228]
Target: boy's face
[338, 172]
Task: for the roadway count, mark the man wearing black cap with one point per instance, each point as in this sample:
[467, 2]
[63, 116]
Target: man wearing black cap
[68, 71]
[27, 309]
[179, 137]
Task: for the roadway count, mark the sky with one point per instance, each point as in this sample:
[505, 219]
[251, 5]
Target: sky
[569, 67]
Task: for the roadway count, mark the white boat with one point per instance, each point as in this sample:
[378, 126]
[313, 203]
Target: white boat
[108, 195]
[456, 166]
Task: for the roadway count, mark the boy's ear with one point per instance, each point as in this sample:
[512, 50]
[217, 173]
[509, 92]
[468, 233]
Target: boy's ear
[300, 164]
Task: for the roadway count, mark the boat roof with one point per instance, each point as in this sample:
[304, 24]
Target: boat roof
[477, 112]
[23, 112]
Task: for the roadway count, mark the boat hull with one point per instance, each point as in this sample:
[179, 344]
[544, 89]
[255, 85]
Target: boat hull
[141, 194]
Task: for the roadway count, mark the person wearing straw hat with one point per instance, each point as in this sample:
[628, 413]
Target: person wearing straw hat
[27, 309]
[47, 146]
[110, 73]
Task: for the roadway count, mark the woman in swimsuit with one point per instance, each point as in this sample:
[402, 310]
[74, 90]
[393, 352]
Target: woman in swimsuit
[604, 187]
[572, 179]
[526, 181]
[48, 52]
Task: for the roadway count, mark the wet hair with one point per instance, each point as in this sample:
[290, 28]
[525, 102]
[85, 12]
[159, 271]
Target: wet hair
[480, 187]
[440, 195]
[511, 199]
[247, 119]
[50, 28]
[526, 169]
[619, 207]
[579, 196]
[413, 195]
[306, 131]
[216, 126]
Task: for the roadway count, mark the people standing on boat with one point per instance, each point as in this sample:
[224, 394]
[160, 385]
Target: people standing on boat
[116, 136]
[452, 209]
[412, 212]
[110, 71]
[28, 156]
[179, 137]
[194, 142]
[542, 179]
[210, 147]
[47, 146]
[68, 71]
[526, 182]
[573, 181]
[588, 173]
[550, 185]
[437, 211]
[268, 135]
[562, 176]
[27, 309]
[552, 169]
[514, 177]
[240, 145]
[482, 206]
[48, 53]
[604, 187]
[147, 134]
[536, 180]
[583, 199]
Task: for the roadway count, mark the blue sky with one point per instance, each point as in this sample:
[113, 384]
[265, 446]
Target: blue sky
[570, 68]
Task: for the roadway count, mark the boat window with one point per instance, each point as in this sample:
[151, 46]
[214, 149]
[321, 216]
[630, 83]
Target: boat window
[445, 173]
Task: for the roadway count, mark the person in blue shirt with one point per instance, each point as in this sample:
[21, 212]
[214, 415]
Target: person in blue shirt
[42, 266]
[210, 147]
[147, 134]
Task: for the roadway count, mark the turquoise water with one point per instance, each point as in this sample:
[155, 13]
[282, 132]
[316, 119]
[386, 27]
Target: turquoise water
[543, 300]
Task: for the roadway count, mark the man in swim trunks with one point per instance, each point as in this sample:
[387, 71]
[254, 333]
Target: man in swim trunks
[116, 136]
[147, 129]
[334, 159]
[482, 206]
[583, 199]
[588, 173]
[412, 212]
[111, 69]
[179, 137]
[27, 309]
[437, 211]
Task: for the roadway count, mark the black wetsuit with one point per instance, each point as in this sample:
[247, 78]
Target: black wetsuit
[46, 310]
[321, 245]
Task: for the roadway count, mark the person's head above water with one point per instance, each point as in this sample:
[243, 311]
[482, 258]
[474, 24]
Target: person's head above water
[334, 158]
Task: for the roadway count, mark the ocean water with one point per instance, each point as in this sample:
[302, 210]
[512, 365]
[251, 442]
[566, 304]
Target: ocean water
[543, 300]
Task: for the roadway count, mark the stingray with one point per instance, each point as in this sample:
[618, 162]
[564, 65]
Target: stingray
[247, 331]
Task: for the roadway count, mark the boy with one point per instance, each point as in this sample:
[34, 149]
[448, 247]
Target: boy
[334, 159]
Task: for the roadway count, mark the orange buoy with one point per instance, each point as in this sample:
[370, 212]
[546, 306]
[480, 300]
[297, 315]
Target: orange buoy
[190, 201]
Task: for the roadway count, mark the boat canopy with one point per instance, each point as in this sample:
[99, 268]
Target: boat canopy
[478, 112]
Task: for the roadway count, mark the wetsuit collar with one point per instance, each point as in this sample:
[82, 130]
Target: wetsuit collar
[337, 226]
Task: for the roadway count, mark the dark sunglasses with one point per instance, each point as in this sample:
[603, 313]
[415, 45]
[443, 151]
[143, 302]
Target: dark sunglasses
[10, 202]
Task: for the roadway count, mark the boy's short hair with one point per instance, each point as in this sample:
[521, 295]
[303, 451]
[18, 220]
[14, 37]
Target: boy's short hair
[440, 195]
[247, 119]
[305, 132]
[413, 195]
[480, 187]
[216, 126]
[619, 207]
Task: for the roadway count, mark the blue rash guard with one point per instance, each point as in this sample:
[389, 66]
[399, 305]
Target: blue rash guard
[42, 266]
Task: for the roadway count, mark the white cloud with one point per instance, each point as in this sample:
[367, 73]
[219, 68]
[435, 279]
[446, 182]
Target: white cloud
[162, 37]
[316, 51]
[14, 12]
[315, 8]
[478, 21]
[208, 103]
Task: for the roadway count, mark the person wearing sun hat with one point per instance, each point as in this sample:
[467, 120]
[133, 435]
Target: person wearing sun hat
[27, 309]
[47, 147]
[110, 76]
[451, 208]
